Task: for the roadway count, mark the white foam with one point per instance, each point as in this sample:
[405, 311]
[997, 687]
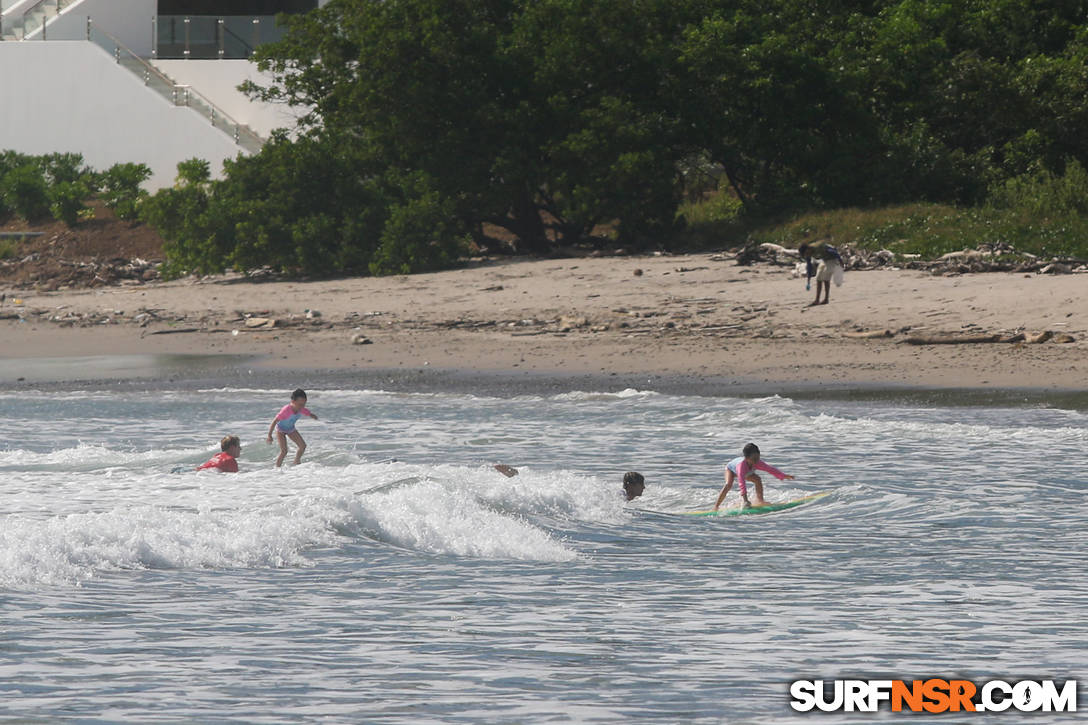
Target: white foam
[69, 549]
[435, 517]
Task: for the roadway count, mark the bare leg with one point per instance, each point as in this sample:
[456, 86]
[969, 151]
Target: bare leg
[297, 438]
[729, 476]
[758, 482]
[827, 291]
[282, 440]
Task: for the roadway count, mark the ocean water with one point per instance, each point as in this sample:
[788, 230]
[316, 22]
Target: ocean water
[395, 577]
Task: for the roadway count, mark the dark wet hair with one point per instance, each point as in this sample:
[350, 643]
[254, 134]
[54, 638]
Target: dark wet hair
[802, 249]
[633, 485]
[750, 449]
[229, 441]
[299, 393]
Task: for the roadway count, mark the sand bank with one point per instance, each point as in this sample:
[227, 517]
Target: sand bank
[691, 316]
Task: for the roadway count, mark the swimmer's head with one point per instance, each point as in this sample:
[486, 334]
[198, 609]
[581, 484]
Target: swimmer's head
[633, 484]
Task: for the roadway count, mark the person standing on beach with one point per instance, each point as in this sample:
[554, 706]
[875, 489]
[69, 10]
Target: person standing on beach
[744, 469]
[227, 461]
[284, 426]
[823, 261]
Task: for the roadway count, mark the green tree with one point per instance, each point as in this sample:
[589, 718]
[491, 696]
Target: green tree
[121, 188]
[428, 120]
[26, 192]
[66, 201]
[540, 117]
[180, 214]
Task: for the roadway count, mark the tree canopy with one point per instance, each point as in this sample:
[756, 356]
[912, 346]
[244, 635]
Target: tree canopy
[429, 121]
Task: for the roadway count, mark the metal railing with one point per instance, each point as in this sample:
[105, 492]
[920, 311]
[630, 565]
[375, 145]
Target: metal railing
[212, 37]
[22, 25]
[178, 95]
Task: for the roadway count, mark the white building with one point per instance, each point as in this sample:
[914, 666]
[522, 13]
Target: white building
[147, 81]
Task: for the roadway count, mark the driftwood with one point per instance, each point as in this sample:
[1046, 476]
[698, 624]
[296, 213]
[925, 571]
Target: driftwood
[954, 339]
[174, 331]
[1041, 337]
[1028, 339]
[869, 334]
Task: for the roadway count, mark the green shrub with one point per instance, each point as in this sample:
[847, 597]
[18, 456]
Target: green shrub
[193, 172]
[1044, 194]
[10, 160]
[67, 169]
[418, 237]
[935, 229]
[26, 192]
[716, 208]
[121, 190]
[180, 216]
[66, 201]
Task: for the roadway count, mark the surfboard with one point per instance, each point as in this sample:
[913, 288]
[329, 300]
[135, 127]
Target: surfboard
[769, 508]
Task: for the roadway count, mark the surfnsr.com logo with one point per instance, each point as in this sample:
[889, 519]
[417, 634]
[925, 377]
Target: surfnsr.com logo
[933, 695]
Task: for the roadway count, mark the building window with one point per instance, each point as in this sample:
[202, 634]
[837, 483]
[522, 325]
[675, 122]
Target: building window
[234, 7]
[220, 29]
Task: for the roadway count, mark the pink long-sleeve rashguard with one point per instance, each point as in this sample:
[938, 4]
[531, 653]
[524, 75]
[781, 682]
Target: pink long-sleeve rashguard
[740, 467]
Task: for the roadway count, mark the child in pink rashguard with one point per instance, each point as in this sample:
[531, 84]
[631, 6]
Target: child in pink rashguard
[284, 426]
[744, 469]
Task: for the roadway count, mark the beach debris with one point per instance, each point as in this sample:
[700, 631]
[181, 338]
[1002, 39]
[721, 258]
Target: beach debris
[638, 272]
[360, 339]
[767, 252]
[987, 257]
[953, 339]
[968, 339]
[1056, 268]
[1064, 338]
[568, 323]
[172, 331]
[312, 314]
[266, 323]
[1038, 338]
[508, 471]
[868, 334]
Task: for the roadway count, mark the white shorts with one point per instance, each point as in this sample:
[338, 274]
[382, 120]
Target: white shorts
[828, 270]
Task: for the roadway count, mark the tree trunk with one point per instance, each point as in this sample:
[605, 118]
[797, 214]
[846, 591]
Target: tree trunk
[528, 226]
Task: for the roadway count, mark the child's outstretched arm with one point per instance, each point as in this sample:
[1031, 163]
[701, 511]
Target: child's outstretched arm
[272, 428]
[773, 471]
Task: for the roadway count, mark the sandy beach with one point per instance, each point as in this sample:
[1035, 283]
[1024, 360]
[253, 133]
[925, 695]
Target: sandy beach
[698, 316]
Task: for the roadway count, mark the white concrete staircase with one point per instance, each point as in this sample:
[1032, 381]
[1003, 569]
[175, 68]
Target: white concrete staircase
[29, 19]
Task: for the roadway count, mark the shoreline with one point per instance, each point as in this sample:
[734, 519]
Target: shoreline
[685, 322]
[248, 373]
